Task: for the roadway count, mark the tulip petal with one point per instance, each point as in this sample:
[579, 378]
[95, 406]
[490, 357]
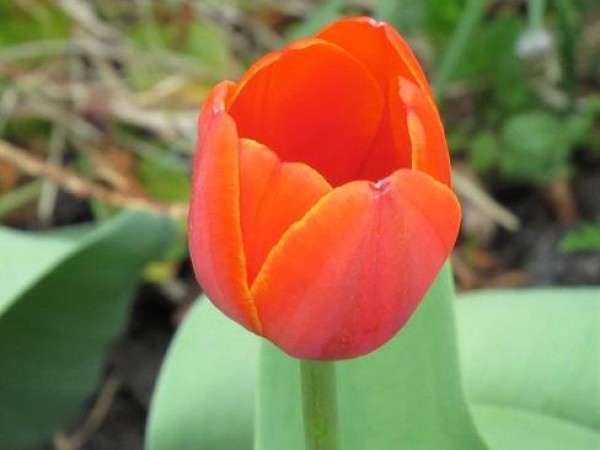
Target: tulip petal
[215, 102]
[215, 235]
[391, 149]
[344, 279]
[428, 141]
[274, 195]
[313, 103]
[379, 47]
[383, 51]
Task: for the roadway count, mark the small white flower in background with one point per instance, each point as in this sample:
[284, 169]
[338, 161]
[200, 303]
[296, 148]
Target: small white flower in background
[535, 43]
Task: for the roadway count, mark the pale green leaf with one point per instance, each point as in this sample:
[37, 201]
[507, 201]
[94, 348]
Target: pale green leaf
[205, 395]
[531, 363]
[64, 297]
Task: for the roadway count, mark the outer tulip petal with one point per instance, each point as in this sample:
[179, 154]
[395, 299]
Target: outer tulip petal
[215, 102]
[274, 195]
[344, 279]
[313, 103]
[214, 223]
[429, 149]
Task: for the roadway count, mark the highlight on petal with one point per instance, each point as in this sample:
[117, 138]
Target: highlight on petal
[215, 237]
[215, 102]
[344, 279]
[274, 195]
[314, 103]
[428, 141]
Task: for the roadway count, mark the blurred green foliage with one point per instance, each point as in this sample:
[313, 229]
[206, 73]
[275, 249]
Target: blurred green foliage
[44, 21]
[475, 43]
[582, 238]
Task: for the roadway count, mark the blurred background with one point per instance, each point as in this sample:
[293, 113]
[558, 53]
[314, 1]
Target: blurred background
[98, 103]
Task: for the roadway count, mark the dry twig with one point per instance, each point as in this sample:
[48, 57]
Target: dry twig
[484, 202]
[94, 419]
[82, 187]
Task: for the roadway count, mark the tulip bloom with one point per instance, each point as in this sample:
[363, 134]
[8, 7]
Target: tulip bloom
[321, 206]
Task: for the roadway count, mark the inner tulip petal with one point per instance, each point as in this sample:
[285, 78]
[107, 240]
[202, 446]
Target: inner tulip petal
[346, 277]
[273, 195]
[428, 141]
[313, 103]
[381, 49]
[392, 145]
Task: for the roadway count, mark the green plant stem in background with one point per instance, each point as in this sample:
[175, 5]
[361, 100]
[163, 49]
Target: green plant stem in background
[569, 19]
[470, 19]
[536, 9]
[319, 402]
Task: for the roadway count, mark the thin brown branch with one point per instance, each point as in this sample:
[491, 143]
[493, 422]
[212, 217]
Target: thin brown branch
[484, 202]
[82, 187]
[95, 418]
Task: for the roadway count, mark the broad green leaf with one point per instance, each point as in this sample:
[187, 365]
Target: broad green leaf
[518, 429]
[64, 296]
[531, 363]
[407, 394]
[24, 258]
[205, 396]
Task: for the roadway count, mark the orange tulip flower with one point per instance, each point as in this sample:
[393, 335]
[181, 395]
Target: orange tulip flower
[321, 209]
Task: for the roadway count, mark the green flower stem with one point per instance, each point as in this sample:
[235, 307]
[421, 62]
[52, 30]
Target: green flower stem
[319, 401]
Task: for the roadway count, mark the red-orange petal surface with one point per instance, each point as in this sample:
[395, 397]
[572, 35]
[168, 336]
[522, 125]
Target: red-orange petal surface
[314, 103]
[214, 222]
[378, 47]
[345, 278]
[274, 195]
